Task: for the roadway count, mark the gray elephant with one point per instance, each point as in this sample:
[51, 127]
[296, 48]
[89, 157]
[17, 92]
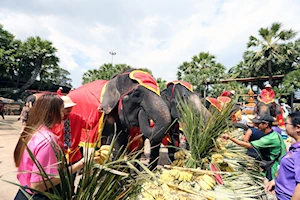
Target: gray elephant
[263, 108]
[172, 95]
[128, 100]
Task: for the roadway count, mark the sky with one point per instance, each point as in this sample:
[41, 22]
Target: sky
[158, 35]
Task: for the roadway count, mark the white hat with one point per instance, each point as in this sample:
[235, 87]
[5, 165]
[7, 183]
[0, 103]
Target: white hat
[268, 85]
[232, 92]
[68, 102]
[60, 88]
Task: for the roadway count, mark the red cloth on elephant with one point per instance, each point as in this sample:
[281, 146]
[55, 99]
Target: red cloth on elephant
[214, 102]
[136, 139]
[280, 119]
[223, 100]
[183, 83]
[146, 80]
[88, 98]
[267, 96]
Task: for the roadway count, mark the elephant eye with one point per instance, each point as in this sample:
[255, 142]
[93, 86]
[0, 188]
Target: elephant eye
[125, 98]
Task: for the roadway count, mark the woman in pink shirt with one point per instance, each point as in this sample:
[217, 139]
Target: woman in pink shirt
[41, 141]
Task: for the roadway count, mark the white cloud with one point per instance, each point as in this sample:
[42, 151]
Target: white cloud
[156, 35]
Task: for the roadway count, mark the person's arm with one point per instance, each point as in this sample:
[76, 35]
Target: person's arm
[247, 135]
[238, 142]
[270, 187]
[296, 195]
[42, 186]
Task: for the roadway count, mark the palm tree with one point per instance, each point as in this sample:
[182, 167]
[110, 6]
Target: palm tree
[269, 45]
[202, 69]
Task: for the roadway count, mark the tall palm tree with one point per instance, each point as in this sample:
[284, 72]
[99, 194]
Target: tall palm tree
[268, 47]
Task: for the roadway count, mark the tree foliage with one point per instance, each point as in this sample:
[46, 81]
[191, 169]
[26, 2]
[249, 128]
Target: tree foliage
[23, 63]
[203, 69]
[271, 49]
[105, 72]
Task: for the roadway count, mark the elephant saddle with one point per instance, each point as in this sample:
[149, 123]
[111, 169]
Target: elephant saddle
[183, 83]
[88, 98]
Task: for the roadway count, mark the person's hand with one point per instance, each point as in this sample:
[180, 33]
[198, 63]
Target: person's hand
[270, 187]
[225, 136]
[19, 118]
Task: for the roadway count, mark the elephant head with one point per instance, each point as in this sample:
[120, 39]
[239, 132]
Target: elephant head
[180, 90]
[133, 97]
[271, 108]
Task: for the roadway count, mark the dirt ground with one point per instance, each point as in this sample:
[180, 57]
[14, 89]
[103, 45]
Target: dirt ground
[9, 134]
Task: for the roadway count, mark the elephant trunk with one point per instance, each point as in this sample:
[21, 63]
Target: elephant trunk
[198, 106]
[156, 110]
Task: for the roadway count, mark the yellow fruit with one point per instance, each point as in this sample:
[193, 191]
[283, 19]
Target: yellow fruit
[175, 162]
[217, 158]
[209, 180]
[203, 185]
[105, 147]
[104, 152]
[176, 155]
[97, 153]
[167, 177]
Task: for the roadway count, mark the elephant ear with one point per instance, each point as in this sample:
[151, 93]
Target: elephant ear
[110, 96]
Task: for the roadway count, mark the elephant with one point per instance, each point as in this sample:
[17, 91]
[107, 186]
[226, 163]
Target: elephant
[175, 92]
[130, 99]
[271, 108]
[216, 104]
[262, 108]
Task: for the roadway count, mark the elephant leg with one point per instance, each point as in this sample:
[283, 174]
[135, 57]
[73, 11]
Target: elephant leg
[174, 143]
[154, 156]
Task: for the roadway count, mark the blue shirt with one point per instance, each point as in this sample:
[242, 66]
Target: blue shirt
[289, 173]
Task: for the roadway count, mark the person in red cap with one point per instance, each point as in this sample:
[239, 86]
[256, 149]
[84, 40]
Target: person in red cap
[69, 131]
[267, 92]
[229, 94]
[58, 92]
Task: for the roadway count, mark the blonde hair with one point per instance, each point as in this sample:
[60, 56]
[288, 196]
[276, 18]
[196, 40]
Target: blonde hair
[45, 111]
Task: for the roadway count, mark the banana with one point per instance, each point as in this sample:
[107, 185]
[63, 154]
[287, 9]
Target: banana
[104, 147]
[177, 155]
[175, 163]
[104, 152]
[166, 177]
[97, 153]
[203, 185]
[182, 154]
[174, 172]
[180, 163]
[209, 180]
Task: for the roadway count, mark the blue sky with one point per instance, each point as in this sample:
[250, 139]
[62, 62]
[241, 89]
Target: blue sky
[159, 35]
